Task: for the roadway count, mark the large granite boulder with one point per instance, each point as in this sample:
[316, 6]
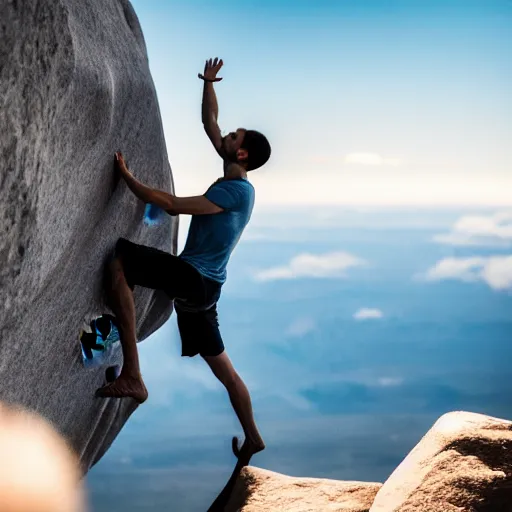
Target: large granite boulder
[75, 87]
[259, 490]
[463, 464]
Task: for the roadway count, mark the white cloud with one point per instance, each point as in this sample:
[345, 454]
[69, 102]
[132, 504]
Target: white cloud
[368, 314]
[495, 271]
[333, 264]
[464, 269]
[483, 230]
[370, 159]
[300, 327]
[387, 382]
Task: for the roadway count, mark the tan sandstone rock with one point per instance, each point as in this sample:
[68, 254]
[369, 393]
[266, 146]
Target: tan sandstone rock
[463, 464]
[259, 490]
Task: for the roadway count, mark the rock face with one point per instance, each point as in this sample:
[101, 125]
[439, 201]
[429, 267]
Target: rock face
[463, 464]
[75, 87]
[258, 490]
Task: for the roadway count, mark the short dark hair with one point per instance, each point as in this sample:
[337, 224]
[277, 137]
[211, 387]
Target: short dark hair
[258, 149]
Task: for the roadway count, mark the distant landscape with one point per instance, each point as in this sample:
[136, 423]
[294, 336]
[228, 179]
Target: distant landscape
[350, 353]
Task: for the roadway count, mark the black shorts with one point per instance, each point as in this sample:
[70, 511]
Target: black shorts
[195, 296]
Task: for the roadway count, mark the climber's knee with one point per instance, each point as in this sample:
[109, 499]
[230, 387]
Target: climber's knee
[223, 369]
[115, 266]
[115, 272]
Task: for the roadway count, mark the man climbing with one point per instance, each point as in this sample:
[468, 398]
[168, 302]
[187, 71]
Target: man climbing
[194, 278]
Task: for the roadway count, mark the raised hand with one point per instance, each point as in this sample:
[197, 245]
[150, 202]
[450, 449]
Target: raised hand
[211, 68]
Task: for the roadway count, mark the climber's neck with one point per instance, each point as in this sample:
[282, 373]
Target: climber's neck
[233, 171]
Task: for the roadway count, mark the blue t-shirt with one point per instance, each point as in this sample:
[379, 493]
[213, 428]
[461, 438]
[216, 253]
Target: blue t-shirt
[212, 238]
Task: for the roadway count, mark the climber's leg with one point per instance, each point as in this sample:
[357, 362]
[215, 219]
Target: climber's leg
[149, 267]
[200, 334]
[240, 399]
[120, 299]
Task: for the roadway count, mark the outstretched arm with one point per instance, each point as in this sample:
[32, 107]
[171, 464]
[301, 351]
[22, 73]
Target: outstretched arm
[173, 205]
[210, 107]
[143, 192]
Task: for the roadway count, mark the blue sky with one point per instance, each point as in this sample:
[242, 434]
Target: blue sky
[371, 291]
[374, 102]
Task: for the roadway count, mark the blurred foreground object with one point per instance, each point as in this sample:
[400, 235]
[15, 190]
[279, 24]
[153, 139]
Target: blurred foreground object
[38, 471]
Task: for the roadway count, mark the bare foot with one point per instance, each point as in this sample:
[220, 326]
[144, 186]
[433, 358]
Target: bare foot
[248, 449]
[125, 386]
